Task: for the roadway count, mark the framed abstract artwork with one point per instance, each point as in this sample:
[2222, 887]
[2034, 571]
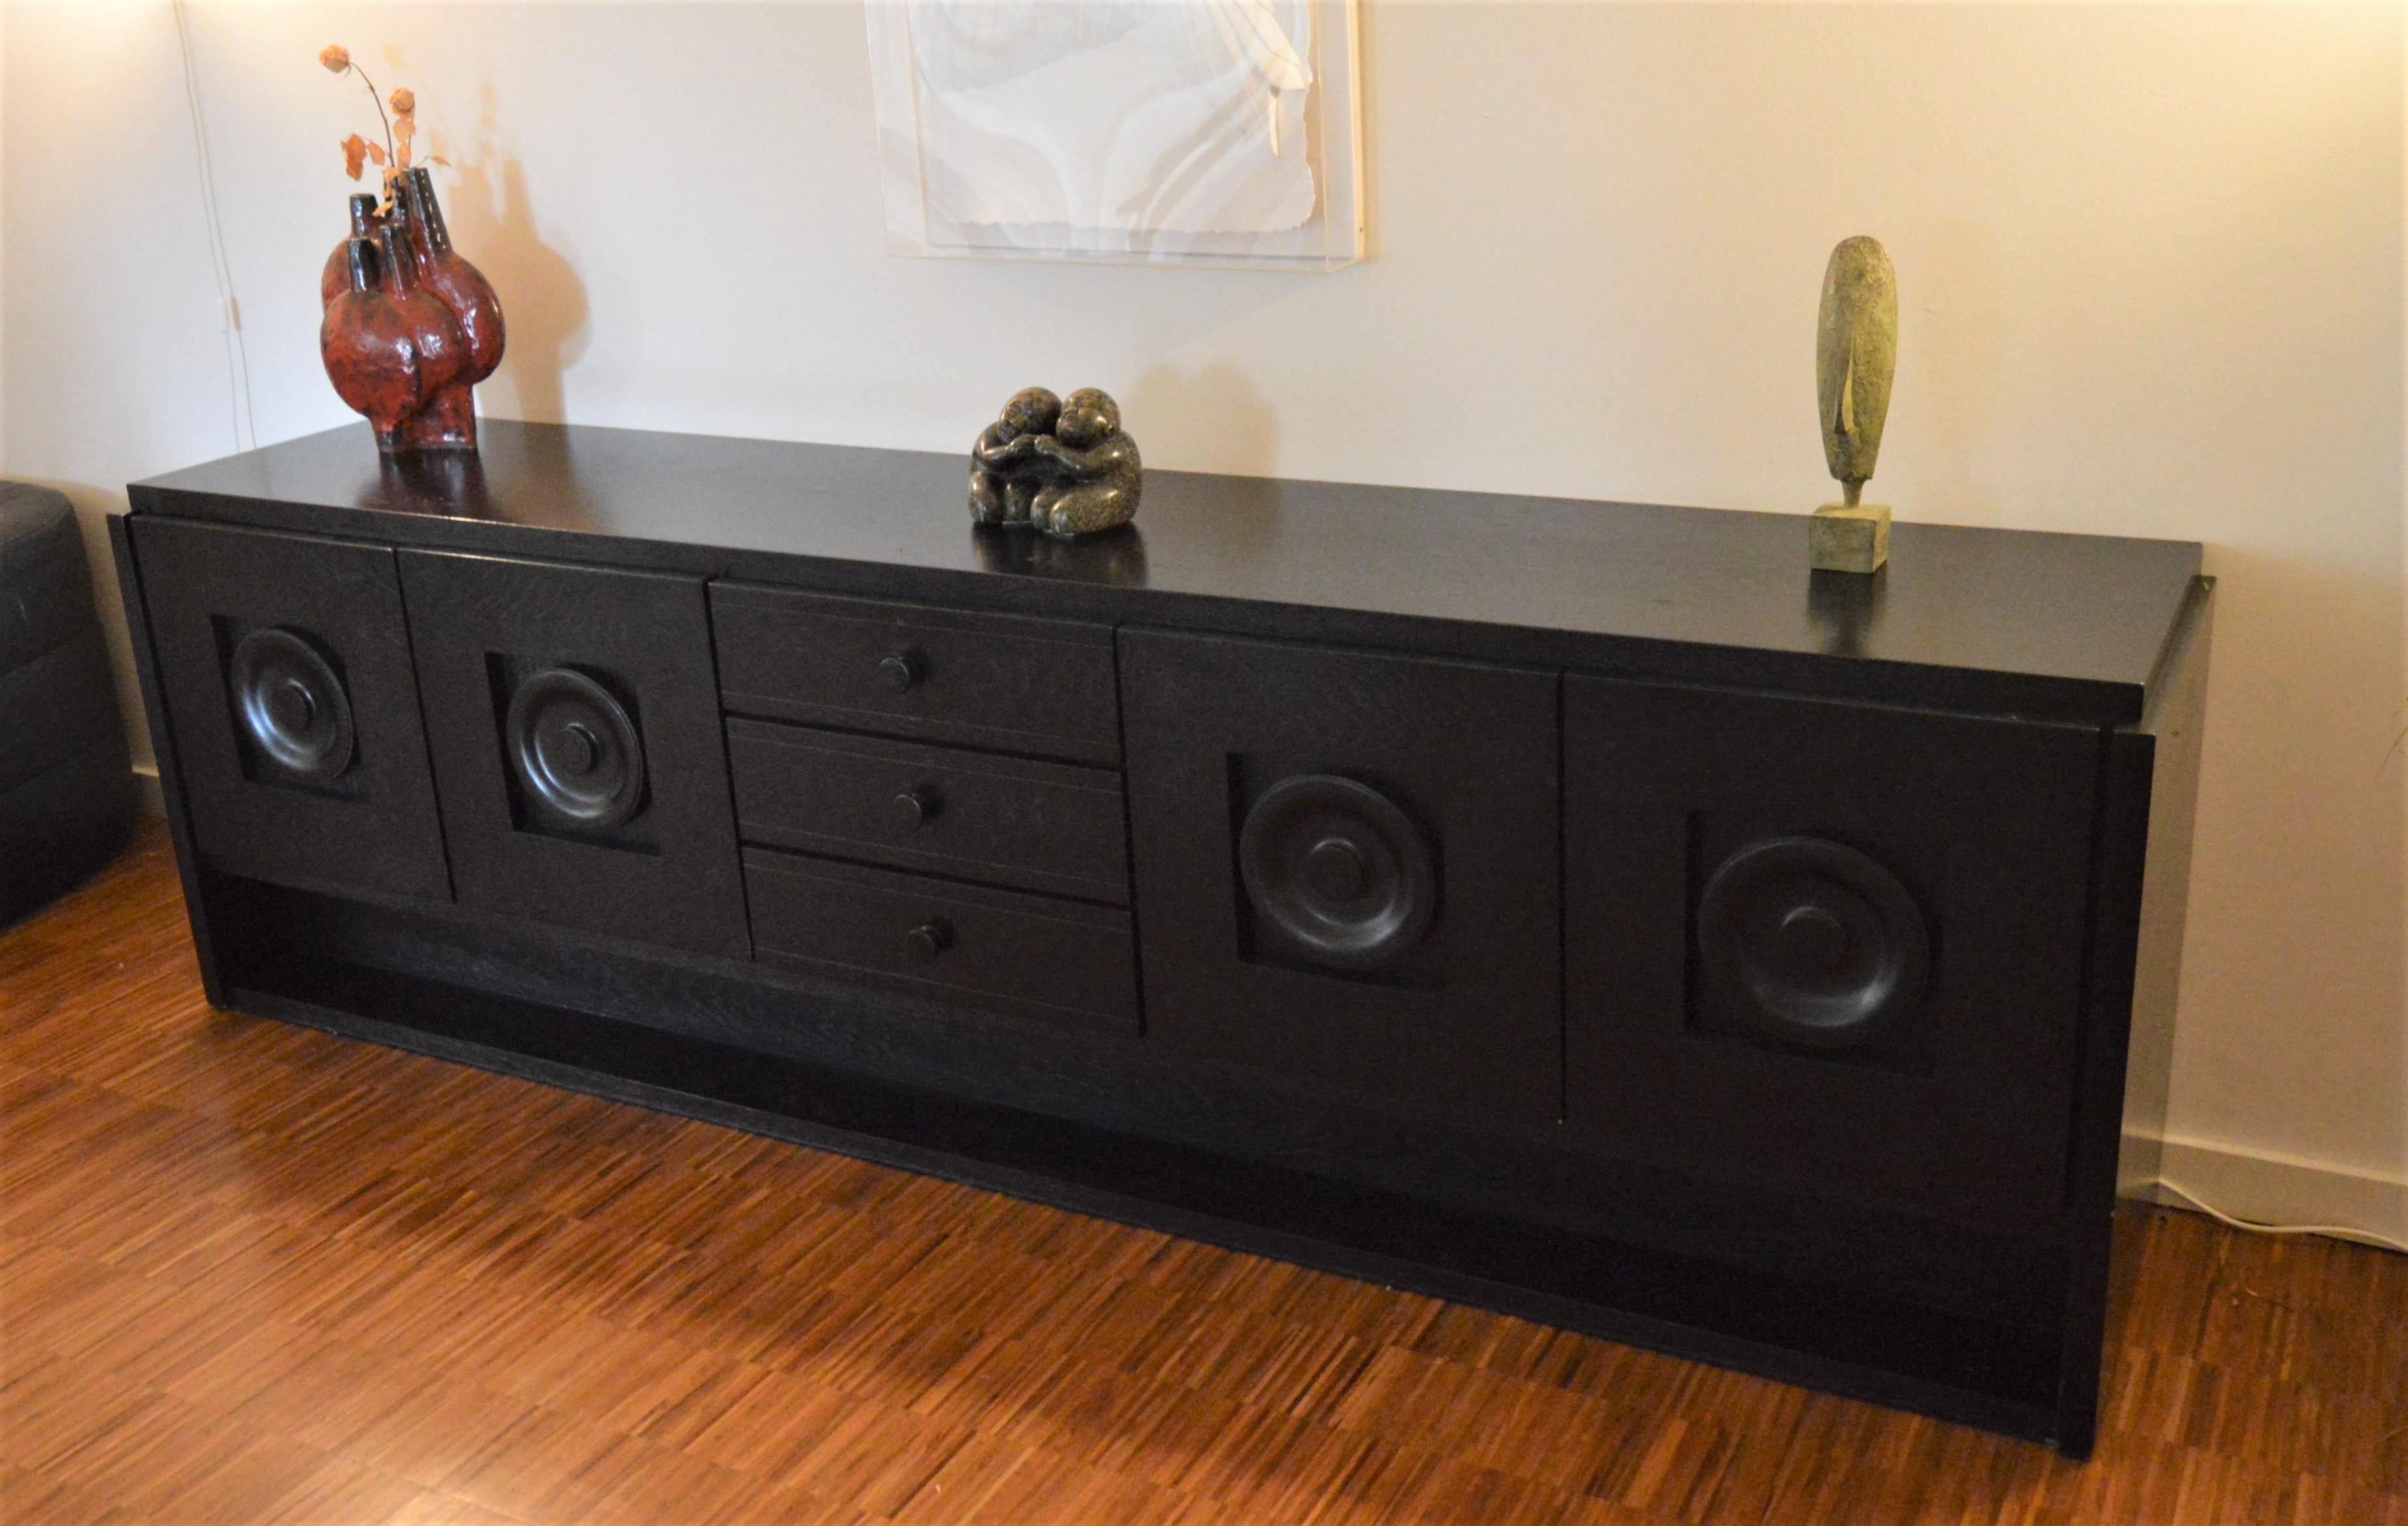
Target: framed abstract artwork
[1176, 132]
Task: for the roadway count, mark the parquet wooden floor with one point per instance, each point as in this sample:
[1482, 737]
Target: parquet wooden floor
[249, 1272]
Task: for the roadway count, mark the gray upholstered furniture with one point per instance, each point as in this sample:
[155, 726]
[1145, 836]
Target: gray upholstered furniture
[66, 788]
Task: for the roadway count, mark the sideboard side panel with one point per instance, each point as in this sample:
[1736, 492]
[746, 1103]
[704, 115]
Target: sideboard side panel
[2178, 720]
[165, 754]
[2140, 892]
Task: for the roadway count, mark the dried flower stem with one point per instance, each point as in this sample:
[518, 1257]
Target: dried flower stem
[379, 106]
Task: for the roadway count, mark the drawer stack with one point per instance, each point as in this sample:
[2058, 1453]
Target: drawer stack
[932, 797]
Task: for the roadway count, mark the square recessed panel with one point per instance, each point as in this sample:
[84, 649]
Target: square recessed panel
[1373, 902]
[1802, 941]
[324, 761]
[1346, 868]
[1835, 949]
[293, 644]
[579, 647]
[566, 801]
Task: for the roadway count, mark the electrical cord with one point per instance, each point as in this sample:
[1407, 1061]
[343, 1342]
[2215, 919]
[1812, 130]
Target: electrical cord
[2336, 1231]
[229, 315]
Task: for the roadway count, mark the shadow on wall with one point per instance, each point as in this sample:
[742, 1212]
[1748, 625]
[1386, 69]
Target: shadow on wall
[1241, 440]
[543, 302]
[1243, 431]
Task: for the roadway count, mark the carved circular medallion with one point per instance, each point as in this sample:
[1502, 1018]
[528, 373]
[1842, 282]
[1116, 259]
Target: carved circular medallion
[1337, 869]
[575, 750]
[290, 704]
[1818, 944]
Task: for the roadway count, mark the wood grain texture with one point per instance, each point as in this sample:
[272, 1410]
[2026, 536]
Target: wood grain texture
[1011, 821]
[2067, 626]
[1961, 1109]
[251, 1273]
[1466, 1023]
[376, 828]
[1064, 961]
[1042, 686]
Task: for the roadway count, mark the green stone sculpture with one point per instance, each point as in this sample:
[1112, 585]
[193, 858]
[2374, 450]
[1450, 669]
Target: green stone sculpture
[1855, 356]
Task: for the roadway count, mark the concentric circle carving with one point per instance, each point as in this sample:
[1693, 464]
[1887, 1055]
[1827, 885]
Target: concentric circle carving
[1337, 869]
[292, 705]
[1816, 942]
[575, 750]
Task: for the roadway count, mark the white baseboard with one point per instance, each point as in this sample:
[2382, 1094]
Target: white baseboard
[2279, 1189]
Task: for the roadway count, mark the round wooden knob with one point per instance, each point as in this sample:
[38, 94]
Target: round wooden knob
[903, 669]
[575, 750]
[914, 808]
[1810, 940]
[1815, 942]
[1338, 870]
[923, 944]
[292, 705]
[1335, 869]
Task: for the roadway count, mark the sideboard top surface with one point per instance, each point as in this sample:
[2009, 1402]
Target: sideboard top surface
[2067, 626]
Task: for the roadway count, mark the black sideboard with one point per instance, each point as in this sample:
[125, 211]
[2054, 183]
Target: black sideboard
[1574, 909]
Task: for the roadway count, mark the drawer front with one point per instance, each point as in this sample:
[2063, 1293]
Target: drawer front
[577, 748]
[1063, 961]
[285, 672]
[1042, 686]
[1829, 949]
[1052, 827]
[1347, 863]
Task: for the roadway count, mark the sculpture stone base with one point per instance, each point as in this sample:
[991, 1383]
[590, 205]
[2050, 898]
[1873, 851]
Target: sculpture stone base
[1848, 537]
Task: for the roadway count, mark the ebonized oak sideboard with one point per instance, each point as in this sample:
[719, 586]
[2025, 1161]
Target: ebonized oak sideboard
[1575, 909]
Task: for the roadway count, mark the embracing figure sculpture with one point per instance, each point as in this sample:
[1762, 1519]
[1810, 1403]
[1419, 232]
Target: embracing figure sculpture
[1060, 465]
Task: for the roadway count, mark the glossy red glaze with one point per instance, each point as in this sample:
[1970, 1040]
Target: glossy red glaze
[461, 285]
[447, 421]
[406, 344]
[392, 348]
[335, 279]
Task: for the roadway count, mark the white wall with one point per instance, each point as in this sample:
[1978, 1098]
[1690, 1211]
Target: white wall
[4, 245]
[2150, 255]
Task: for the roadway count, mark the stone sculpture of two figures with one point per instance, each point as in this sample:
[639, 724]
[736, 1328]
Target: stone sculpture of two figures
[1060, 465]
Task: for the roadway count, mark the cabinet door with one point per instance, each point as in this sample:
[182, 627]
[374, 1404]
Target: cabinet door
[574, 725]
[1826, 947]
[285, 672]
[1346, 868]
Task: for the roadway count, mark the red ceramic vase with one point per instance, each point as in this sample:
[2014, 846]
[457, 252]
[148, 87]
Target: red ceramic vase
[391, 347]
[410, 326]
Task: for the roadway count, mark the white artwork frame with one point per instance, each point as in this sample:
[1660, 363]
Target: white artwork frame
[1144, 131]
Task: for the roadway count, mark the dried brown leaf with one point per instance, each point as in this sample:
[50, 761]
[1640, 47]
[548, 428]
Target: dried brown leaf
[336, 57]
[403, 100]
[355, 152]
[376, 154]
[439, 159]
